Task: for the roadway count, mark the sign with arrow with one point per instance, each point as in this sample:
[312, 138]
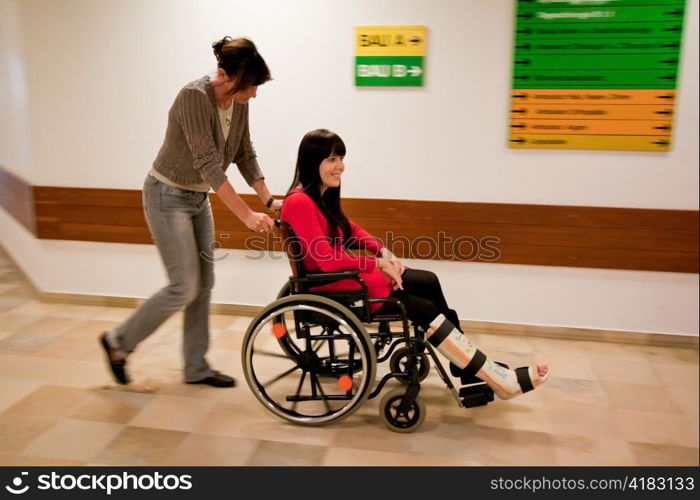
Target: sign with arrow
[389, 56]
[595, 75]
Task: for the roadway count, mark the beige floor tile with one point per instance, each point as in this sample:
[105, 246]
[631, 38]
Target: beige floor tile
[173, 413]
[157, 355]
[35, 308]
[8, 288]
[164, 335]
[23, 343]
[55, 371]
[695, 426]
[286, 454]
[672, 355]
[203, 449]
[140, 446]
[581, 419]
[240, 393]
[629, 372]
[677, 375]
[440, 440]
[74, 311]
[657, 427]
[546, 346]
[515, 415]
[605, 403]
[59, 441]
[568, 390]
[117, 314]
[52, 326]
[117, 407]
[580, 450]
[220, 321]
[13, 389]
[227, 418]
[654, 455]
[240, 323]
[228, 339]
[51, 401]
[344, 457]
[15, 460]
[572, 365]
[623, 352]
[639, 397]
[80, 349]
[685, 399]
[367, 432]
[89, 329]
[10, 304]
[17, 430]
[511, 447]
[252, 420]
[15, 322]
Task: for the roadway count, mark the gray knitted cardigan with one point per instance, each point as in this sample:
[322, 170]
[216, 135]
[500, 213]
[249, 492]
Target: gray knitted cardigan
[194, 149]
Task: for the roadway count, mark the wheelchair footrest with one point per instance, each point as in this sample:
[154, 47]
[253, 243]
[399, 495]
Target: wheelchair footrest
[476, 395]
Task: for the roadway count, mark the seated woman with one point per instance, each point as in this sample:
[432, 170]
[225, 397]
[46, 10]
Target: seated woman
[313, 209]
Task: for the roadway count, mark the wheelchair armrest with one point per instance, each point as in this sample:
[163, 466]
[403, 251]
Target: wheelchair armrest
[331, 276]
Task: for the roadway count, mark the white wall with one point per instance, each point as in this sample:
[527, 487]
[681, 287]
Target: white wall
[101, 75]
[14, 113]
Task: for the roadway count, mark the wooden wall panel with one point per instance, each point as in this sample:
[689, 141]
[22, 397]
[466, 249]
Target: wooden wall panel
[597, 237]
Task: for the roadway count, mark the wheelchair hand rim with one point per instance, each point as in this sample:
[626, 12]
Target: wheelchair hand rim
[256, 387]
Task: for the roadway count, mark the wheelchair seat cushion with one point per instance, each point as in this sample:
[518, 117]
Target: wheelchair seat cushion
[377, 286]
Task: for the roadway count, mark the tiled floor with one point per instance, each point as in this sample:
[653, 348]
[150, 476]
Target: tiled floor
[605, 404]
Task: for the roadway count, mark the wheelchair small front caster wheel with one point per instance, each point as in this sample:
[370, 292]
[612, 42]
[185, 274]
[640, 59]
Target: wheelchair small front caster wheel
[397, 421]
[397, 364]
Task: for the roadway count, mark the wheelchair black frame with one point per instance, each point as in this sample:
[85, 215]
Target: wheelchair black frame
[416, 344]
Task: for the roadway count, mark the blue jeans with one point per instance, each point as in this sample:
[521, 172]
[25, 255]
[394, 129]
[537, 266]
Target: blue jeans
[182, 227]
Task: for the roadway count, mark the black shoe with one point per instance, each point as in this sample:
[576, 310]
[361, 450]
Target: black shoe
[216, 380]
[118, 366]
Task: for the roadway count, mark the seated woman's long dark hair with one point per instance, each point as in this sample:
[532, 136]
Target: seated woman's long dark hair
[315, 147]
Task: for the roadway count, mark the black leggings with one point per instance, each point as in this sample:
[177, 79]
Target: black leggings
[423, 298]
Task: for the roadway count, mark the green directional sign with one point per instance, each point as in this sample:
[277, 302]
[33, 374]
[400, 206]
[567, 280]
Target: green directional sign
[406, 71]
[601, 13]
[591, 79]
[613, 44]
[595, 74]
[670, 30]
[578, 46]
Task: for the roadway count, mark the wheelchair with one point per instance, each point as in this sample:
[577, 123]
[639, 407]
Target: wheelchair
[311, 357]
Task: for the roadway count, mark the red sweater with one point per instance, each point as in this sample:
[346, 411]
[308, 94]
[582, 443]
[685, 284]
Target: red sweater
[311, 227]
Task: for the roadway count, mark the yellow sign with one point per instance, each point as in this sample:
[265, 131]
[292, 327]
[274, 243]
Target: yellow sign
[390, 40]
[619, 142]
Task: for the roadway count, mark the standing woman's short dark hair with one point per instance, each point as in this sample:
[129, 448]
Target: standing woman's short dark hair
[315, 147]
[239, 57]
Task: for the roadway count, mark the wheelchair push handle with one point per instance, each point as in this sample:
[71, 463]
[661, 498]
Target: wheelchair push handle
[278, 222]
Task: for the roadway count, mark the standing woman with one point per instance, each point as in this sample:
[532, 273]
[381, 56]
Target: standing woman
[207, 131]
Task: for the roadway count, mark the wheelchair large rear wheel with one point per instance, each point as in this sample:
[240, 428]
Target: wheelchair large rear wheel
[308, 360]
